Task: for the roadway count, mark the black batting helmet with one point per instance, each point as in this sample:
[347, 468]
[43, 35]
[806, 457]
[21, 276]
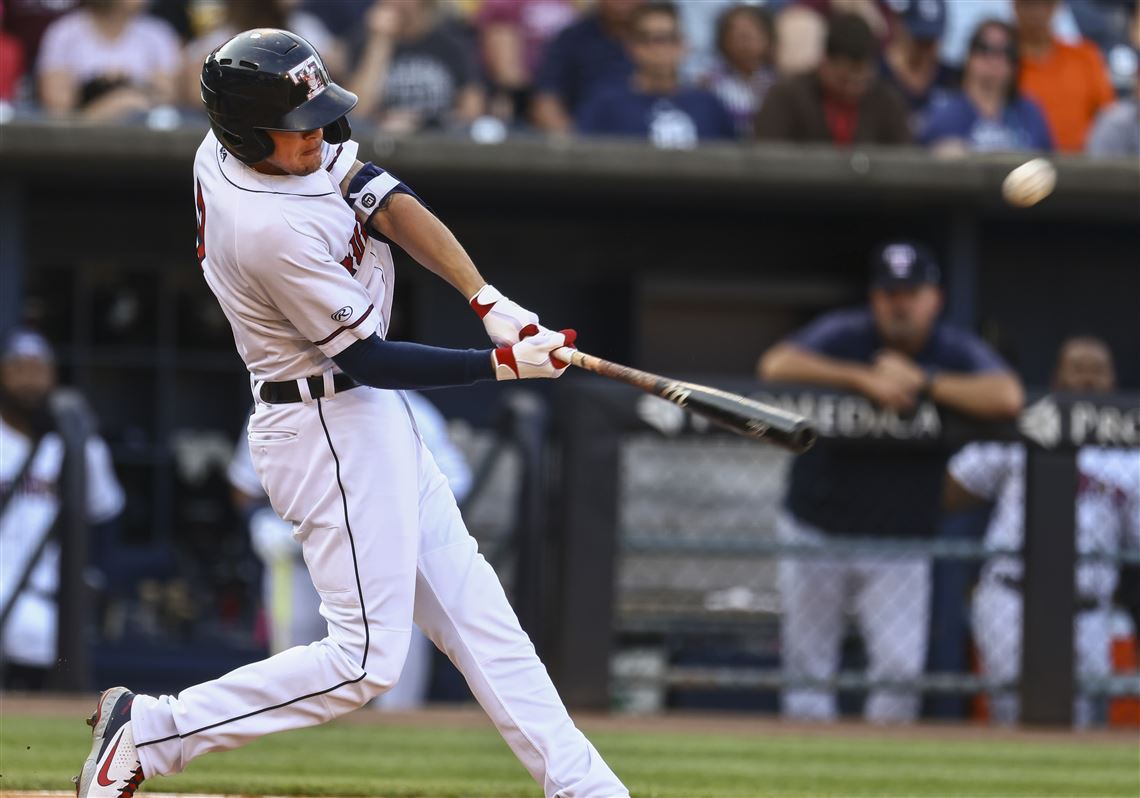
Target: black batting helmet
[269, 79]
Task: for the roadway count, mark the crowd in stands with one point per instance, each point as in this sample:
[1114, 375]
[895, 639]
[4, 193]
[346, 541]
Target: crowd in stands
[955, 76]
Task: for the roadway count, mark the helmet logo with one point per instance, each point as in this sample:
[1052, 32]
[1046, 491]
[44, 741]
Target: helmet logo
[312, 74]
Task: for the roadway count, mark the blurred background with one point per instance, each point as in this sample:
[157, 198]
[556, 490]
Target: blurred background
[694, 186]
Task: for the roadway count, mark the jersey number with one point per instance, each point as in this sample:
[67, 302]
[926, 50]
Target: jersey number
[201, 207]
[359, 245]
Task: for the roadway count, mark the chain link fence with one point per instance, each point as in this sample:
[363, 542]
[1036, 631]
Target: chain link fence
[724, 599]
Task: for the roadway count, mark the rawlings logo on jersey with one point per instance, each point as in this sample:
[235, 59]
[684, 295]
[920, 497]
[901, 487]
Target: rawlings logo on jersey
[344, 314]
[312, 74]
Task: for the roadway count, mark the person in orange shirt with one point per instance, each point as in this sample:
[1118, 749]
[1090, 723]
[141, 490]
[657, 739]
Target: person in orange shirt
[1069, 81]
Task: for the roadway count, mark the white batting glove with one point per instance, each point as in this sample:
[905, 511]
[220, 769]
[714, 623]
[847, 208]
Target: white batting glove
[531, 357]
[506, 322]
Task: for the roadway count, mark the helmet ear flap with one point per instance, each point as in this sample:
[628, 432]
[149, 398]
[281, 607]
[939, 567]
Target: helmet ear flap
[249, 149]
[264, 145]
[339, 131]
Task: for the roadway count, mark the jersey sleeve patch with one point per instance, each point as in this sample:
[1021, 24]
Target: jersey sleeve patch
[344, 314]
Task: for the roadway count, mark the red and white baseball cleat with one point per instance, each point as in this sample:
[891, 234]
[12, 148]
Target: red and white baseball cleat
[112, 770]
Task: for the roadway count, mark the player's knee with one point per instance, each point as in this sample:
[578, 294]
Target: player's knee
[387, 652]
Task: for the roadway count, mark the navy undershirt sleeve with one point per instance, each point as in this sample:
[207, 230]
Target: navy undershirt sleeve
[403, 365]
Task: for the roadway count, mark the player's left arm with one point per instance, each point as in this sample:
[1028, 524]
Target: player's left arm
[388, 207]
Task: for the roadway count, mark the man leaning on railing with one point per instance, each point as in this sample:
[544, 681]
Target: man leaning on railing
[895, 352]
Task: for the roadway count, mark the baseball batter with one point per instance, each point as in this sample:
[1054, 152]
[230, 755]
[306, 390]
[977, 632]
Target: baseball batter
[291, 232]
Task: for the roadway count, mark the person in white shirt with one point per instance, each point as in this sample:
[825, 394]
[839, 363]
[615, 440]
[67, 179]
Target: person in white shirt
[1107, 520]
[30, 498]
[106, 61]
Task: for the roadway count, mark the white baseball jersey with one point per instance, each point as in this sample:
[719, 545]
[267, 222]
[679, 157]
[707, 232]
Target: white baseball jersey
[291, 265]
[30, 634]
[1108, 506]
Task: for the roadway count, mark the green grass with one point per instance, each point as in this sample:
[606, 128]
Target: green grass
[39, 753]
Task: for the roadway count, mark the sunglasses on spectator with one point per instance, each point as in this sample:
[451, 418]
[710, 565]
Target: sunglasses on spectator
[657, 38]
[981, 48]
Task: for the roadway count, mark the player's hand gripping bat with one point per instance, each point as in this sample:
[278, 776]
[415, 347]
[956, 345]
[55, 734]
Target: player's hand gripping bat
[728, 410]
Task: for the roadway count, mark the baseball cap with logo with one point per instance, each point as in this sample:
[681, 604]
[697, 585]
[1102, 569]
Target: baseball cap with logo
[24, 344]
[903, 264]
[925, 20]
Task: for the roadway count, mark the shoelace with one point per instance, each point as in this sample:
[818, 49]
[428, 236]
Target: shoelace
[132, 785]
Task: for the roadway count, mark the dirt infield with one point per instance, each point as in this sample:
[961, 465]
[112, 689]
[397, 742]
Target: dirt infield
[694, 723]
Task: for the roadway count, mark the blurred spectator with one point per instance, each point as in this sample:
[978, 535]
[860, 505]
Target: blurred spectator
[31, 460]
[894, 353]
[27, 20]
[800, 36]
[512, 36]
[1117, 129]
[964, 16]
[1114, 25]
[911, 63]
[700, 25]
[581, 57]
[176, 14]
[870, 10]
[341, 17]
[1069, 81]
[652, 102]
[12, 63]
[988, 115]
[842, 102]
[415, 72]
[1108, 520]
[246, 15]
[108, 60]
[746, 44]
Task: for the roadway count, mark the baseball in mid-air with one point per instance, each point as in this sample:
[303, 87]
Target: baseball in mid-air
[1029, 183]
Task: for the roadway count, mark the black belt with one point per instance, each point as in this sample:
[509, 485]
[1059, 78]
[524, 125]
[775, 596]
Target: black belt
[1084, 603]
[283, 393]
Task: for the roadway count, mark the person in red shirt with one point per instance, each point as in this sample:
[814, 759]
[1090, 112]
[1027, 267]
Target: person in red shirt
[842, 102]
[1069, 81]
[12, 63]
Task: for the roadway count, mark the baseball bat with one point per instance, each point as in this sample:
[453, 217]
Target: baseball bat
[731, 411]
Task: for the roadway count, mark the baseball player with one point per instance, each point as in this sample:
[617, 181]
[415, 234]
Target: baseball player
[292, 240]
[292, 604]
[1108, 519]
[31, 456]
[894, 351]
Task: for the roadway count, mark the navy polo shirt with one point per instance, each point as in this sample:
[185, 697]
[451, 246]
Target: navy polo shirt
[677, 121]
[851, 489]
[579, 59]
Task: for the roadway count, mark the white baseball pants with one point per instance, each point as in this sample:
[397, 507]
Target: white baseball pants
[385, 544]
[890, 597]
[997, 619]
[296, 620]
